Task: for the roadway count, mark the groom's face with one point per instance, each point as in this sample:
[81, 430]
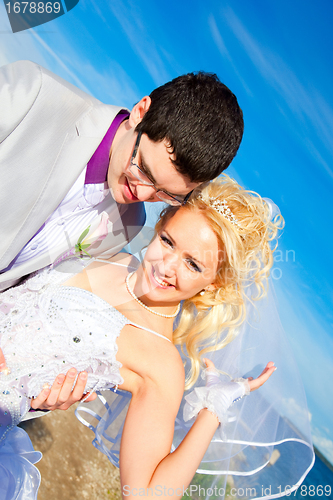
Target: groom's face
[154, 161]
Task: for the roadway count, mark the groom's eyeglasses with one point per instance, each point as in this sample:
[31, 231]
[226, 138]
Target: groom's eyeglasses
[143, 177]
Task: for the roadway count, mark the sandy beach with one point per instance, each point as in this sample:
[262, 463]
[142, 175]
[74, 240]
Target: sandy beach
[71, 468]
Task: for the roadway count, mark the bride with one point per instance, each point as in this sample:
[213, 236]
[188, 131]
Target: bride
[115, 321]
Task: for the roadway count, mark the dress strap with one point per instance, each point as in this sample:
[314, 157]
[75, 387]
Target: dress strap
[115, 263]
[148, 330]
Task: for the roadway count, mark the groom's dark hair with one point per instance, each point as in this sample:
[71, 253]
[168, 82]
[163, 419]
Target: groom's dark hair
[201, 120]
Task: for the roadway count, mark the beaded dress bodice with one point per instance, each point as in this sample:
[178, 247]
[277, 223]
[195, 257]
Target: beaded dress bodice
[47, 328]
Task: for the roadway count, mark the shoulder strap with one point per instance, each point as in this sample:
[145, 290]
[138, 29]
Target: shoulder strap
[115, 263]
[148, 330]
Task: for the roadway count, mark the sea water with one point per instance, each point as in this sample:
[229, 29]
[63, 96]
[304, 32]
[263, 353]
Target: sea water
[317, 484]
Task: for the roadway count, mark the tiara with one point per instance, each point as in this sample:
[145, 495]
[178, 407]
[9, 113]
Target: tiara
[222, 208]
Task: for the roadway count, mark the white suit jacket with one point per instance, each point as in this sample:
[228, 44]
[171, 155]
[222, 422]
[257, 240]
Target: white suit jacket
[49, 130]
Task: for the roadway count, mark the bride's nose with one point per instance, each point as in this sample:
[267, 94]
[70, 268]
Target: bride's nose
[170, 264]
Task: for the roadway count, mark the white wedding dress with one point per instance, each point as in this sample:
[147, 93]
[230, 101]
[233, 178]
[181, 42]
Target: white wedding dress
[47, 328]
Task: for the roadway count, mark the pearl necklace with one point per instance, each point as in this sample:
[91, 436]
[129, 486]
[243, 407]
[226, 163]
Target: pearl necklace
[131, 292]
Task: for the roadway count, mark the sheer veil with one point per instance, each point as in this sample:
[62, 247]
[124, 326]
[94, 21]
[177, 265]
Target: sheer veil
[265, 450]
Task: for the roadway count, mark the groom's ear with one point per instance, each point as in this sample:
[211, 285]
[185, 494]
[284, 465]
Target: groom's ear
[138, 111]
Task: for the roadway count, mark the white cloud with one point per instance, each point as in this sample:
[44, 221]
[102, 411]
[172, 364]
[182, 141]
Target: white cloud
[130, 19]
[14, 47]
[318, 156]
[60, 61]
[86, 6]
[298, 415]
[293, 410]
[29, 45]
[312, 343]
[270, 65]
[110, 83]
[217, 37]
[312, 112]
[323, 443]
[104, 78]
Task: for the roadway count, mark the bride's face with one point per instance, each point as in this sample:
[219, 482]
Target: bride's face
[182, 260]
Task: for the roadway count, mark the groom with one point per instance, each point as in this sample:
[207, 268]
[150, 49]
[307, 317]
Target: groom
[74, 171]
[69, 162]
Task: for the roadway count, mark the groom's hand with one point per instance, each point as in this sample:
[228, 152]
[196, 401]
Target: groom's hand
[3, 365]
[62, 395]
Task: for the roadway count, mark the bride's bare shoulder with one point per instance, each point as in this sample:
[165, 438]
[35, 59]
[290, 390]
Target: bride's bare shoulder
[156, 360]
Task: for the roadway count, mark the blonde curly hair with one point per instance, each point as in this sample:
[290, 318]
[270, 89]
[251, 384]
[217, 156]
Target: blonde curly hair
[210, 321]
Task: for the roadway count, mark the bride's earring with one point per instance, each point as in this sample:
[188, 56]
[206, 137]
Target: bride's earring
[208, 289]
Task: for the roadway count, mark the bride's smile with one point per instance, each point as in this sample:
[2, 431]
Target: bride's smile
[181, 261]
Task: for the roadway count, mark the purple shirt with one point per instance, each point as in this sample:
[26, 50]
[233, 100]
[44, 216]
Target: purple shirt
[97, 167]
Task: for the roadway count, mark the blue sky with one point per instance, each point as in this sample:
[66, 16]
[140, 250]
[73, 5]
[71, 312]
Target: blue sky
[276, 57]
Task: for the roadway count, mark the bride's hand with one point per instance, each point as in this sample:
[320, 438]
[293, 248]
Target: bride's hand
[254, 384]
[263, 377]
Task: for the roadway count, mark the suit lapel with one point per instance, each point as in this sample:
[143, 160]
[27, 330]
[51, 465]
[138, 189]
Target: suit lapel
[78, 146]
